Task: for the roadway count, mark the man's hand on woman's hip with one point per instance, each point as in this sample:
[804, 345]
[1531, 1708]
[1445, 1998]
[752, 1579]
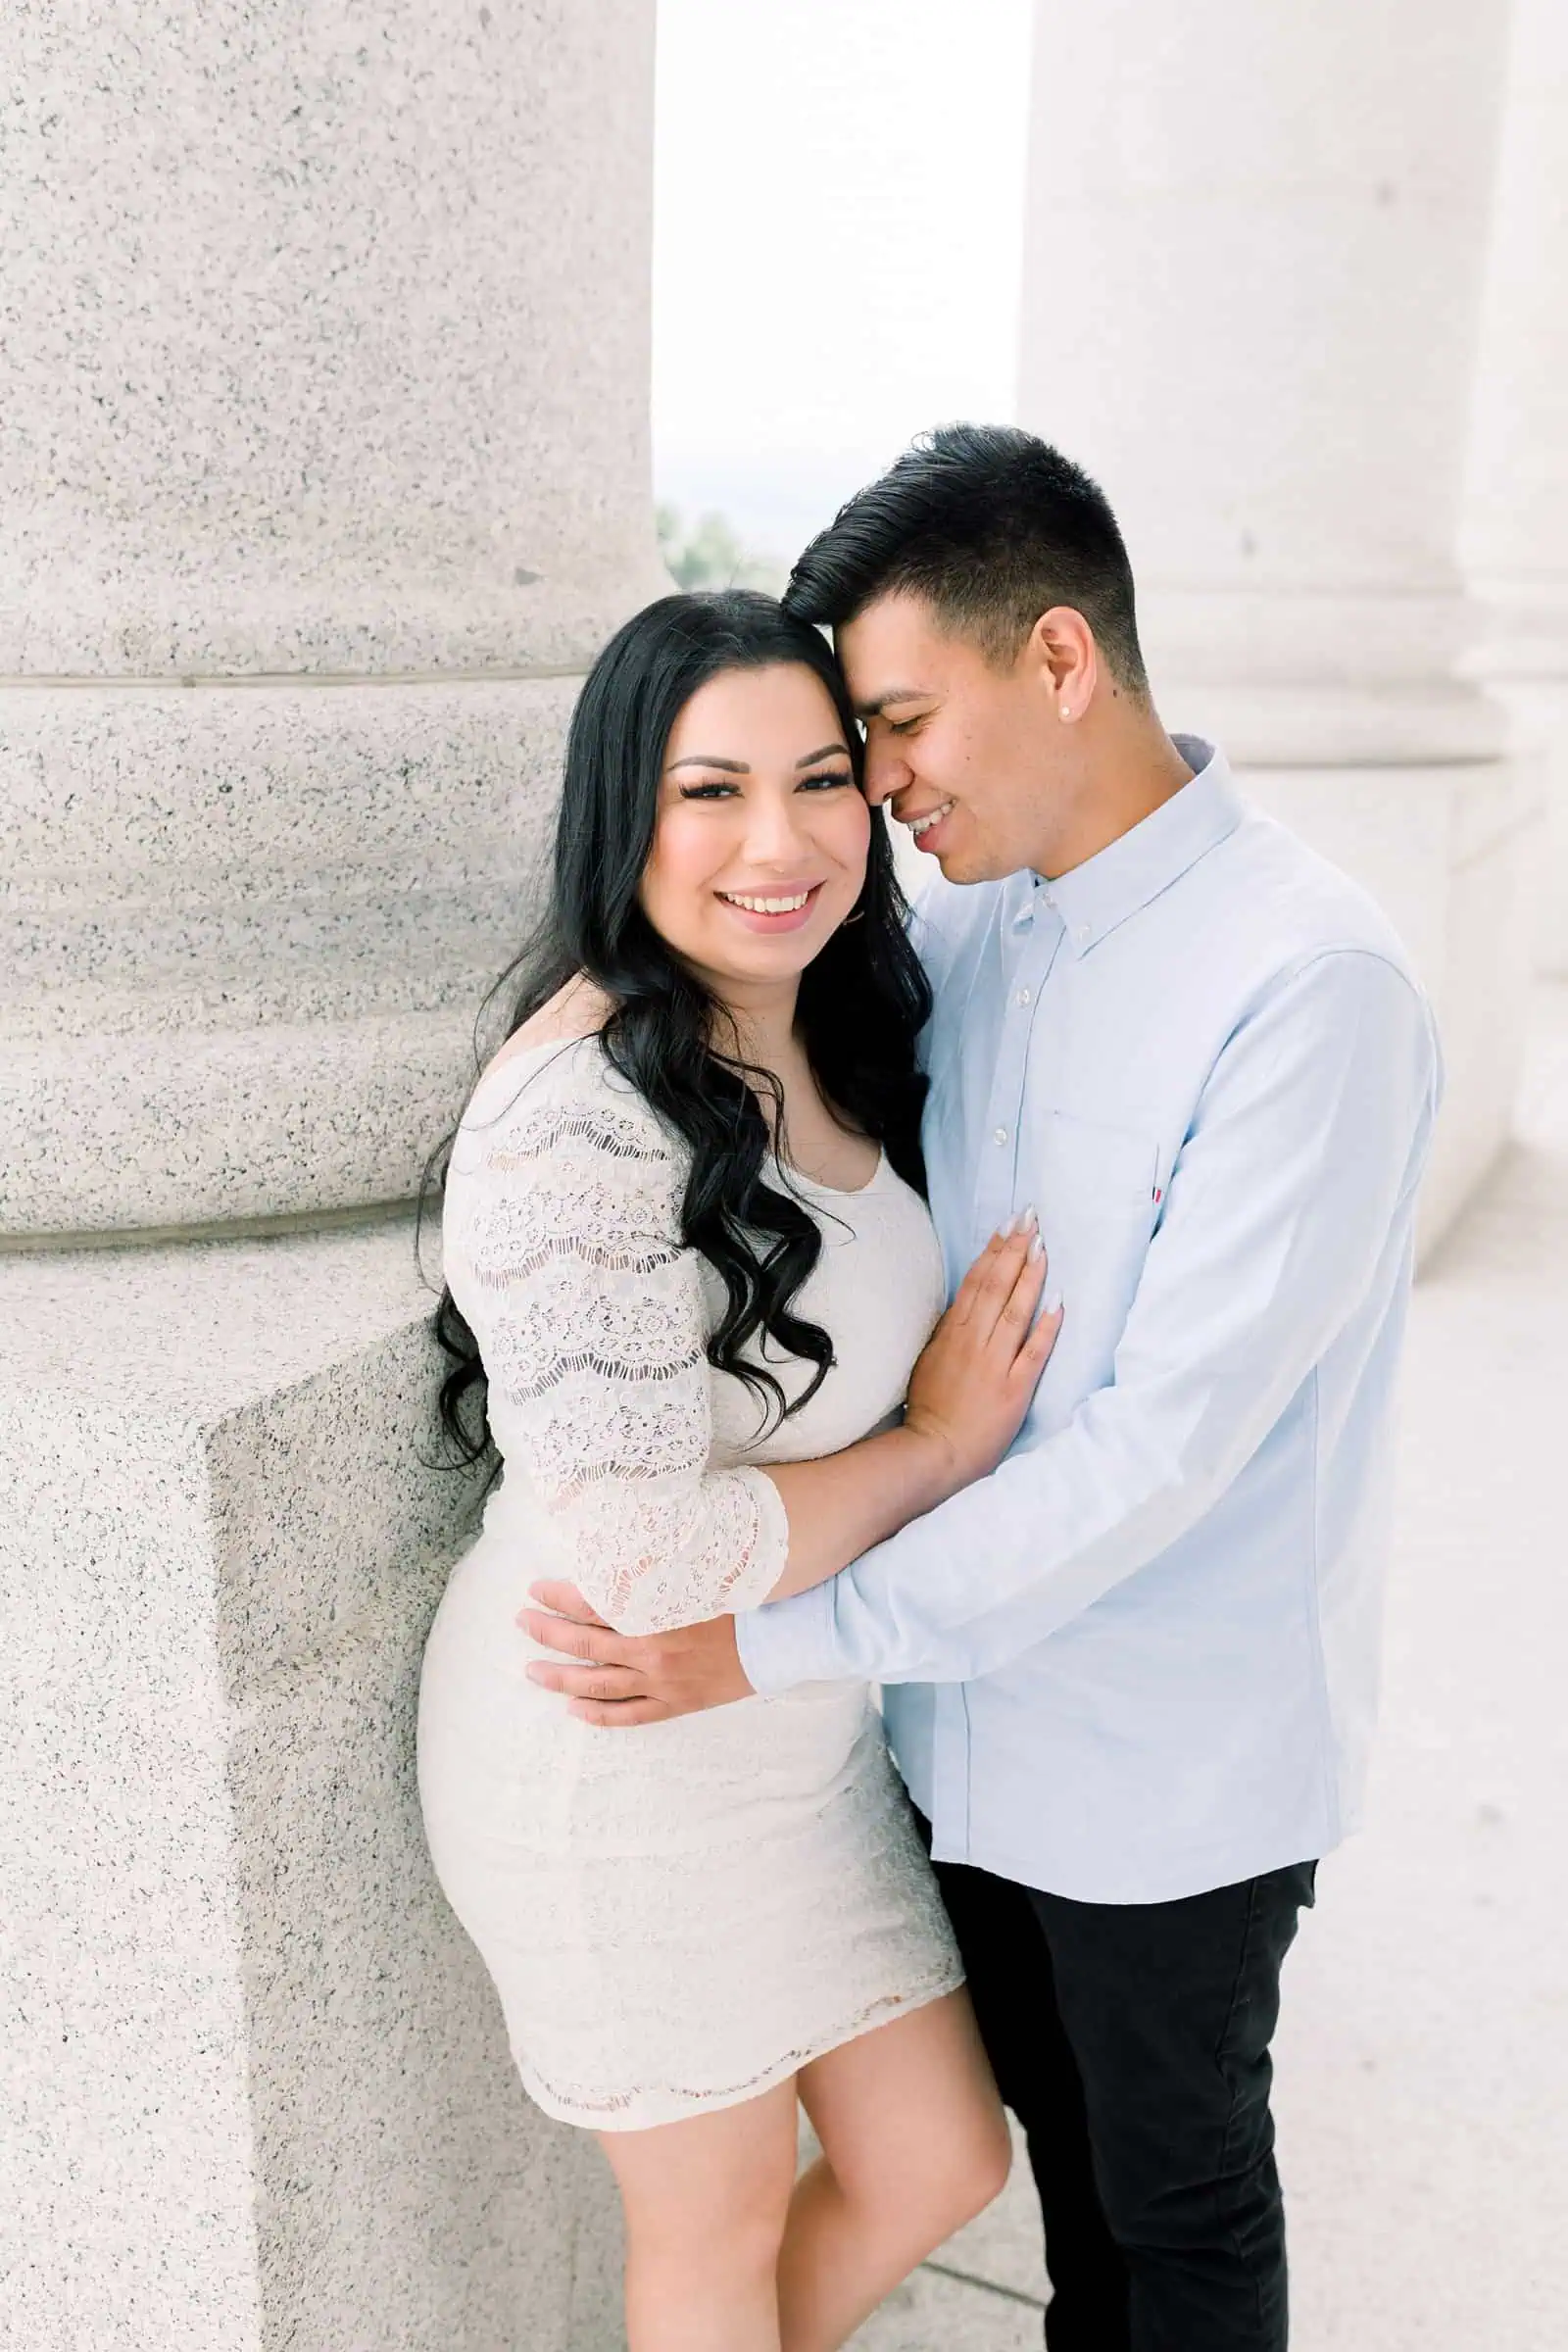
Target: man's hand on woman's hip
[623, 1680]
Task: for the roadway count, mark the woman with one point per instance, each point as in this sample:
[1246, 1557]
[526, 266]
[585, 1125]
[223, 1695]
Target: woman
[684, 1231]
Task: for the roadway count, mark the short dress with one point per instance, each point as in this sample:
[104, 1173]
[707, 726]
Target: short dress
[679, 1915]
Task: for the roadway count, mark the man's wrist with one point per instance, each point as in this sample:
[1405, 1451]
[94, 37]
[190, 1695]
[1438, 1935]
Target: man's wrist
[786, 1642]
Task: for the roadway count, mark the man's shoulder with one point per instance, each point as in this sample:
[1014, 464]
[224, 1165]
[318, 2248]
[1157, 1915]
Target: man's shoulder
[1285, 905]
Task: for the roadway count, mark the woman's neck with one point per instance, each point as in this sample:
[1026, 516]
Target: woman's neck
[764, 1024]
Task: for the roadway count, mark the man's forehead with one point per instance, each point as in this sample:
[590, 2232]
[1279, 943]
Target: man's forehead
[893, 653]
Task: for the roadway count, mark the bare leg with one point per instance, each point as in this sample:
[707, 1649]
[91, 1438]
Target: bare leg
[914, 2144]
[705, 2202]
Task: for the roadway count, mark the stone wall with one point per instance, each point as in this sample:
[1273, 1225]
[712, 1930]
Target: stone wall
[325, 471]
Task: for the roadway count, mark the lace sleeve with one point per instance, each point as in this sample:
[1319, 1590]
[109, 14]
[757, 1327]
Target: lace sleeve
[589, 1315]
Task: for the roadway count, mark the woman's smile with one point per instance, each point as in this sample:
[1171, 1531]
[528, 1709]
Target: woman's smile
[774, 909]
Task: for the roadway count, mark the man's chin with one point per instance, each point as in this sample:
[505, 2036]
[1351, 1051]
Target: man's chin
[958, 866]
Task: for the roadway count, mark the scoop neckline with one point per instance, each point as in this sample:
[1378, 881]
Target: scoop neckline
[835, 1192]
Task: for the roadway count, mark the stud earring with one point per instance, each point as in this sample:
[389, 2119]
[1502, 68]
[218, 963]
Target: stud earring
[1065, 712]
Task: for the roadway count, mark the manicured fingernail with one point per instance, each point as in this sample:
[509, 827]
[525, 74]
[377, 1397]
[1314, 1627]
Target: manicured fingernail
[1052, 1302]
[1031, 1216]
[1037, 1248]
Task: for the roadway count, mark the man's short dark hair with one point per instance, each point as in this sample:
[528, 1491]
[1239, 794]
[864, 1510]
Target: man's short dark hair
[990, 527]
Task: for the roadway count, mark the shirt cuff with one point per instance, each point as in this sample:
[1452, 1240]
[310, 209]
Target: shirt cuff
[790, 1642]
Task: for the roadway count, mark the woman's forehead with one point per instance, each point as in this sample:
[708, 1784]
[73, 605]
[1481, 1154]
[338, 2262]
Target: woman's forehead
[765, 712]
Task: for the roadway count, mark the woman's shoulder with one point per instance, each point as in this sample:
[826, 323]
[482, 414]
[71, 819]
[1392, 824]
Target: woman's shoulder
[553, 1050]
[573, 1015]
[552, 1087]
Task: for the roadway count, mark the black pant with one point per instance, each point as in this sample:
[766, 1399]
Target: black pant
[1131, 2040]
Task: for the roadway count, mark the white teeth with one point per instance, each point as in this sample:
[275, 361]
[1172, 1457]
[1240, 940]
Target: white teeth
[923, 824]
[767, 906]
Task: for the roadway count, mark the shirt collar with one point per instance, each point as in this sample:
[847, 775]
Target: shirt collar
[1124, 876]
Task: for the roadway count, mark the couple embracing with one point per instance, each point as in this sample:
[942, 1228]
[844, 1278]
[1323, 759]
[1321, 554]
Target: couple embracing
[997, 1305]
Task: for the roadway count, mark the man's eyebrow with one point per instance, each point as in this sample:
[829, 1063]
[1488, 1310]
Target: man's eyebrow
[894, 694]
[825, 751]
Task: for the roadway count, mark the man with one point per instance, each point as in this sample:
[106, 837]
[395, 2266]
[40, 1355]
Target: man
[1129, 1677]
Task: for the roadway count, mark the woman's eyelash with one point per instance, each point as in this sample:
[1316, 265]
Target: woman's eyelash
[713, 792]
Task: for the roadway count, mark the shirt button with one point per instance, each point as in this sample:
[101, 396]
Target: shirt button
[1081, 934]
[1022, 997]
[999, 1135]
[1050, 901]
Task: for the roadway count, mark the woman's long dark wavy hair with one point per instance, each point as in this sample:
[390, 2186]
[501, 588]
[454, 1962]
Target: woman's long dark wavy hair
[861, 1006]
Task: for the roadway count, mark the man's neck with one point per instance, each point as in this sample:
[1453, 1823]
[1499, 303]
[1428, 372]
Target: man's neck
[1121, 790]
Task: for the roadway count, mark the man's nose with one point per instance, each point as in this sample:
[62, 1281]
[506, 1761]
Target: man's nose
[885, 772]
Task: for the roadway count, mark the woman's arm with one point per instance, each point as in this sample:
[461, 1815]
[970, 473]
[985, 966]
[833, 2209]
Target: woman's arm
[590, 1318]
[589, 1315]
[969, 1393]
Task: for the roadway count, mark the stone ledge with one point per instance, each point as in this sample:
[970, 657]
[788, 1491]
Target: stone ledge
[272, 1122]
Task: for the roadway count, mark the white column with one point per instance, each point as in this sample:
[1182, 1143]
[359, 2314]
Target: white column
[324, 468]
[323, 473]
[1516, 535]
[1251, 287]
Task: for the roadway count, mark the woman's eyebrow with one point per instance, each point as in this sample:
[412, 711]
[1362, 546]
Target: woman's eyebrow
[738, 768]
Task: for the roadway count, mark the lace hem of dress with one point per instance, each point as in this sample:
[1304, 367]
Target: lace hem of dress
[598, 2110]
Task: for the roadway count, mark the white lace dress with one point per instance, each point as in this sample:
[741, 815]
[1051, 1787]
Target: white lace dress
[679, 1915]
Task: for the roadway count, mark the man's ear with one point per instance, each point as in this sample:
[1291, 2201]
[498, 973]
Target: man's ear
[1061, 649]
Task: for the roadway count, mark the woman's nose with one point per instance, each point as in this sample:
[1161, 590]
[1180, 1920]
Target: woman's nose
[775, 834]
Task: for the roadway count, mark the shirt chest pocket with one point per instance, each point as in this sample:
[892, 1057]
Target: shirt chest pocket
[1094, 1186]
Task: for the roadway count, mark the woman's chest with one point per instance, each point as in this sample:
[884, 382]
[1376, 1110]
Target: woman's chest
[877, 1290]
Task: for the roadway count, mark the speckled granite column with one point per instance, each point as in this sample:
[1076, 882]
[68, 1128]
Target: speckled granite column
[1253, 277]
[1517, 539]
[323, 472]
[324, 455]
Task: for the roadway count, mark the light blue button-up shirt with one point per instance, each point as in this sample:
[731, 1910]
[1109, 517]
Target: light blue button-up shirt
[1140, 1659]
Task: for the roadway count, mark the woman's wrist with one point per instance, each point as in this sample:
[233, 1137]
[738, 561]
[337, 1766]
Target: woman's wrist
[932, 1469]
